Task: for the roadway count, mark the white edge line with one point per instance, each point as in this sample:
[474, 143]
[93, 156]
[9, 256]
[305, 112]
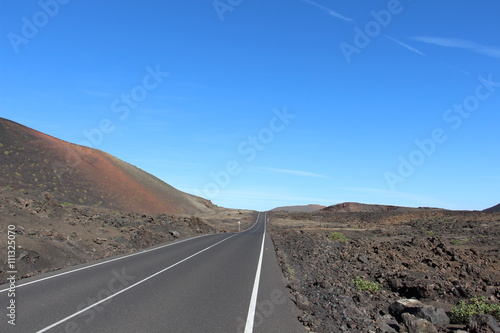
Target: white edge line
[115, 259]
[130, 287]
[255, 291]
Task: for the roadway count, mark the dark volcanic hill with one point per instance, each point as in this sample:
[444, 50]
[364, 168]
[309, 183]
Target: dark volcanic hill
[305, 208]
[493, 209]
[31, 160]
[359, 207]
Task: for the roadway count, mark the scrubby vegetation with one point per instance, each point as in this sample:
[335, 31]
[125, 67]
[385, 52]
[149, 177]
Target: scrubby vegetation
[461, 313]
[337, 237]
[365, 285]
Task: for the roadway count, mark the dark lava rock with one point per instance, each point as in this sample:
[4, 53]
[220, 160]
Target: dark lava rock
[303, 303]
[436, 316]
[418, 325]
[388, 324]
[481, 323]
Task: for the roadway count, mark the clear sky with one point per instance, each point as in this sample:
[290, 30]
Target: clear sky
[257, 104]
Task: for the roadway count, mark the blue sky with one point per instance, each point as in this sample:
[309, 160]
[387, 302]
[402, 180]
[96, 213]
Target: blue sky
[258, 104]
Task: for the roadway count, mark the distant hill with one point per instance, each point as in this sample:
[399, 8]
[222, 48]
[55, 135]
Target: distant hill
[306, 208]
[359, 207]
[493, 209]
[31, 160]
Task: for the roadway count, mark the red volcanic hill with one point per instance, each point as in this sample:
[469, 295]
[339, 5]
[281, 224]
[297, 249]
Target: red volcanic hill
[31, 160]
[359, 207]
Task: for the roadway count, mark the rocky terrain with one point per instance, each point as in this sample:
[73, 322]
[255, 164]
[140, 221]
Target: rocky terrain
[359, 207]
[304, 208]
[353, 272]
[493, 209]
[51, 234]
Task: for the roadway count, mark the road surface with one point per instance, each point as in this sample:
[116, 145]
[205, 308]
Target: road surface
[212, 283]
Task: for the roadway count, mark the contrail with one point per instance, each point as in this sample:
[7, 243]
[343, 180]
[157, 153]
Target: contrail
[493, 52]
[329, 11]
[406, 46]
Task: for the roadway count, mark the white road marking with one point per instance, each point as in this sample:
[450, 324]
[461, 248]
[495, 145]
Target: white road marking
[115, 259]
[253, 300]
[103, 262]
[130, 287]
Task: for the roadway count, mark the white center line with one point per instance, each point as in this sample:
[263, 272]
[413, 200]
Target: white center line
[253, 300]
[130, 287]
[103, 262]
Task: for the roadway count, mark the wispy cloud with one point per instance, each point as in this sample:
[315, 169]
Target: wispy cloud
[447, 42]
[328, 11]
[493, 52]
[406, 46]
[417, 51]
[293, 172]
[463, 71]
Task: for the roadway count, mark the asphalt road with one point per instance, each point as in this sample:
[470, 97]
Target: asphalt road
[213, 283]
